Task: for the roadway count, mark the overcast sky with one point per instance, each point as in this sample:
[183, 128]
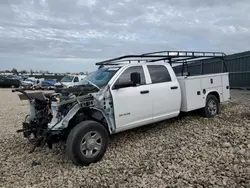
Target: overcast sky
[71, 35]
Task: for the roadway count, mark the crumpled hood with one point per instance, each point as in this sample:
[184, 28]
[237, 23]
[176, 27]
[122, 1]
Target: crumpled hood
[82, 90]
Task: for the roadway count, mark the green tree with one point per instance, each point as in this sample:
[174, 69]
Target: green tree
[23, 72]
[14, 71]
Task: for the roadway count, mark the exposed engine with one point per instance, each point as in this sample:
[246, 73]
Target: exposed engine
[48, 110]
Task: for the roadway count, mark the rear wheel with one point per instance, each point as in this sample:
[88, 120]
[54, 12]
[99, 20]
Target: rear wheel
[212, 107]
[87, 143]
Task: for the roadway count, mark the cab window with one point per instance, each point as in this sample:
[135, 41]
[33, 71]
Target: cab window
[125, 76]
[159, 74]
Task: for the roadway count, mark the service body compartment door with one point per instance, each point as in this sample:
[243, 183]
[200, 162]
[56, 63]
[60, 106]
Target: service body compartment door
[226, 87]
[211, 81]
[192, 94]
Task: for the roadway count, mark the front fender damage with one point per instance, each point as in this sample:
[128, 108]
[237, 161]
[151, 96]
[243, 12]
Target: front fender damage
[49, 117]
[100, 101]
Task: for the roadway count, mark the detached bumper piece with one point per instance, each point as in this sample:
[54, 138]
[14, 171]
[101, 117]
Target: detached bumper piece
[39, 137]
[36, 136]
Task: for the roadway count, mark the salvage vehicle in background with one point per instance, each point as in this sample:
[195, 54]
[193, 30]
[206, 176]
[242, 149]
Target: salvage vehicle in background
[124, 93]
[9, 81]
[47, 84]
[31, 83]
[69, 81]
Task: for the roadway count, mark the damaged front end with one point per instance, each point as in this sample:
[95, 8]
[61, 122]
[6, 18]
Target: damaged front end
[50, 114]
[36, 122]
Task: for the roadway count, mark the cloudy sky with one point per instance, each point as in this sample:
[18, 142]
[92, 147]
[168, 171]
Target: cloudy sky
[71, 35]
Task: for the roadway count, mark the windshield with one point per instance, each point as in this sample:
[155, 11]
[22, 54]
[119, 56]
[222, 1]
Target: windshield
[100, 77]
[67, 79]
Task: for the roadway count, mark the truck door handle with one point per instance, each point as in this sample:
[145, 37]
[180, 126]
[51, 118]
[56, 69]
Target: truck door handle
[174, 87]
[145, 91]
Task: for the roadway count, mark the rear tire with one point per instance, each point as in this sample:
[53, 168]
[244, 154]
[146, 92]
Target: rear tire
[212, 107]
[87, 143]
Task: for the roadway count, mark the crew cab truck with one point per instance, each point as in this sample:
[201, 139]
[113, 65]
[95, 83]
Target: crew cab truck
[119, 97]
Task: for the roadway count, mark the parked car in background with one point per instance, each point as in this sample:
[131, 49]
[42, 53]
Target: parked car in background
[30, 83]
[47, 84]
[15, 77]
[70, 81]
[7, 81]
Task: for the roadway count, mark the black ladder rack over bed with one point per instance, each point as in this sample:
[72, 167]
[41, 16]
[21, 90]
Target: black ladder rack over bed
[180, 57]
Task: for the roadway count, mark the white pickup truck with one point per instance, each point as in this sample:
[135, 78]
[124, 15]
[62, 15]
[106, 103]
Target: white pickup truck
[118, 97]
[156, 94]
[70, 81]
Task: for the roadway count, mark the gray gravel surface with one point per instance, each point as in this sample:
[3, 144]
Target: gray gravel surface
[186, 152]
[241, 96]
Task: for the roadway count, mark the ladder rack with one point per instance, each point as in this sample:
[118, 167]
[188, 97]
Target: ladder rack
[169, 56]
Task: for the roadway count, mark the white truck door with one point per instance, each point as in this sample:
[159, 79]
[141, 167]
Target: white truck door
[132, 105]
[165, 90]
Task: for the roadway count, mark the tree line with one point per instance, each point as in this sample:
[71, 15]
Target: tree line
[16, 72]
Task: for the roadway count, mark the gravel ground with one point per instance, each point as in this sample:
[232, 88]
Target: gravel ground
[186, 152]
[241, 96]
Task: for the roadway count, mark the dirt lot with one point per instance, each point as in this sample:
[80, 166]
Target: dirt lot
[187, 152]
[241, 96]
